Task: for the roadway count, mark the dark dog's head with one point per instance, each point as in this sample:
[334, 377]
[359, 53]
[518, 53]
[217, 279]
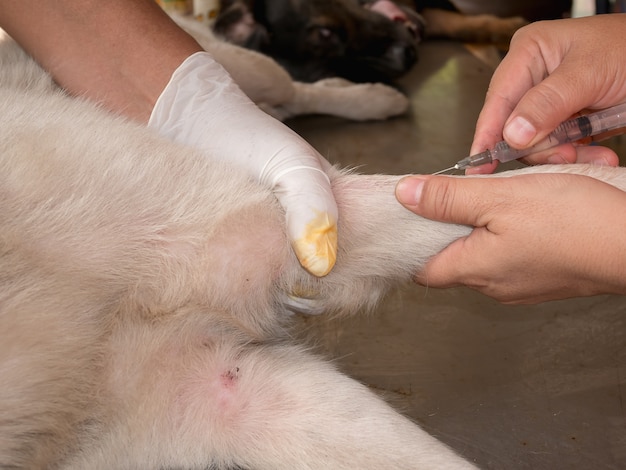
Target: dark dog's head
[315, 39]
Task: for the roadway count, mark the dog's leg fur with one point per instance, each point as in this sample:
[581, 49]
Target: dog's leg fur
[197, 398]
[340, 97]
[271, 87]
[141, 298]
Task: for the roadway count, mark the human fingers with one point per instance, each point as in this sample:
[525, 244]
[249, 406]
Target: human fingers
[567, 153]
[580, 73]
[450, 199]
[537, 237]
[519, 71]
[553, 69]
[467, 201]
[485, 169]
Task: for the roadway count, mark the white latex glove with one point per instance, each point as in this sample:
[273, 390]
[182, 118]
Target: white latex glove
[203, 107]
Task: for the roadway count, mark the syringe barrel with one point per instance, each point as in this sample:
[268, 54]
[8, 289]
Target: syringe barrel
[608, 119]
[505, 153]
[568, 132]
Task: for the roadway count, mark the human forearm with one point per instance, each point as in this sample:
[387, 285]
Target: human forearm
[119, 53]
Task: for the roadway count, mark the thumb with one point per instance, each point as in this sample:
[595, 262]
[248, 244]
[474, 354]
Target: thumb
[311, 216]
[444, 198]
[543, 108]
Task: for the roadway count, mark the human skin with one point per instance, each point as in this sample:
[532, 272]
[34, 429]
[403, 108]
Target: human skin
[123, 54]
[537, 237]
[542, 236]
[110, 52]
[553, 70]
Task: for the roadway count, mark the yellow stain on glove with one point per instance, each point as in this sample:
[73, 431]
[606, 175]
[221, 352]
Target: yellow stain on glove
[317, 248]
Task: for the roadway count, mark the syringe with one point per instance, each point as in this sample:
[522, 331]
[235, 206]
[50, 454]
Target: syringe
[569, 131]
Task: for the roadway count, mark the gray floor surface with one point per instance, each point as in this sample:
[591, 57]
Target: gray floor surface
[509, 387]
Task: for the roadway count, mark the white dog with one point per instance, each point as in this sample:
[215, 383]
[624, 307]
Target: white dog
[142, 303]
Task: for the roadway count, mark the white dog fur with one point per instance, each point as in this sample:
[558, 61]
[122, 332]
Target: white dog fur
[142, 303]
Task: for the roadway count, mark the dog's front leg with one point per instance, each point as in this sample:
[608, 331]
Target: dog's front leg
[381, 244]
[339, 97]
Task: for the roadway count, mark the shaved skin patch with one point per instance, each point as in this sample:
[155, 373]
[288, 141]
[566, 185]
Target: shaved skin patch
[317, 248]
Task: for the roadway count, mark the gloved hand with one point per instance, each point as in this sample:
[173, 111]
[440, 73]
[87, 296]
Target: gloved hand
[203, 107]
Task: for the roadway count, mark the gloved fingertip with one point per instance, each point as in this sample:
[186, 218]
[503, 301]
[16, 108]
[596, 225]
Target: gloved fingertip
[316, 249]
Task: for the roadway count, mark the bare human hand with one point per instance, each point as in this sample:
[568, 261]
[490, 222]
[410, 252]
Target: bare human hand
[537, 237]
[552, 71]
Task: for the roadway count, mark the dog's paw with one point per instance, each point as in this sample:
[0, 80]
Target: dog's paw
[335, 82]
[366, 101]
[341, 98]
[375, 101]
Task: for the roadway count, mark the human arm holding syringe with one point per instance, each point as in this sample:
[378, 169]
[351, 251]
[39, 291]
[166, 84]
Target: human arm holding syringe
[538, 237]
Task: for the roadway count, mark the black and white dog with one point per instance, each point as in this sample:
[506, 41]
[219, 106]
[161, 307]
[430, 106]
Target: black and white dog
[360, 40]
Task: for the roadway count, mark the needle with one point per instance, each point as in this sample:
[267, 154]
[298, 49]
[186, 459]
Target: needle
[452, 168]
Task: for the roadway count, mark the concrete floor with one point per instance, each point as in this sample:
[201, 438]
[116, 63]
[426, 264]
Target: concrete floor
[508, 387]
